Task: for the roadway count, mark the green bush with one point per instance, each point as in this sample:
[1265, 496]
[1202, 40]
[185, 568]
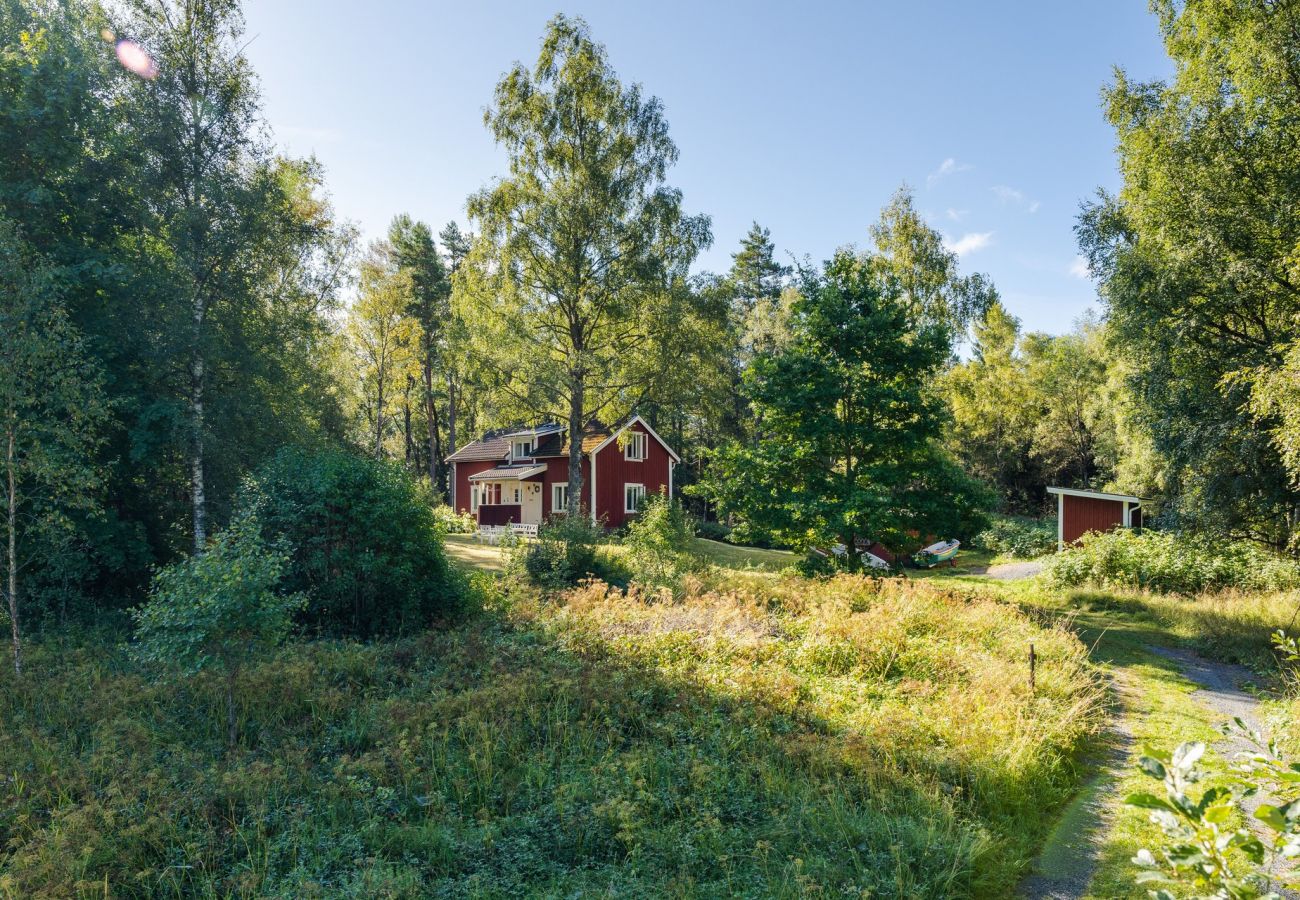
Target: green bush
[367, 549]
[218, 610]
[1018, 537]
[658, 542]
[564, 553]
[1172, 563]
[714, 531]
[452, 522]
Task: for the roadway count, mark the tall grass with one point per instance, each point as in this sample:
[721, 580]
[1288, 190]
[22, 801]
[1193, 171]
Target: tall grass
[1172, 563]
[773, 737]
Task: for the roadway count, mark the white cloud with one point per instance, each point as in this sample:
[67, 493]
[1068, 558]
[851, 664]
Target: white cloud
[956, 215]
[948, 167]
[969, 242]
[1079, 268]
[1008, 194]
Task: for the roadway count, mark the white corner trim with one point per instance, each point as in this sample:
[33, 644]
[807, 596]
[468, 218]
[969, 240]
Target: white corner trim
[1060, 522]
[672, 466]
[592, 473]
[453, 487]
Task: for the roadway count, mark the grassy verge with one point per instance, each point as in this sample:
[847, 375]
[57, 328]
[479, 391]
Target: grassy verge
[784, 739]
[1155, 701]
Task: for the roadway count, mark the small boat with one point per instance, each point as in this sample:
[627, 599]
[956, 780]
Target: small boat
[931, 556]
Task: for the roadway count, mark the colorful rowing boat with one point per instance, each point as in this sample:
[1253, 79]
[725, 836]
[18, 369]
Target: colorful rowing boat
[931, 556]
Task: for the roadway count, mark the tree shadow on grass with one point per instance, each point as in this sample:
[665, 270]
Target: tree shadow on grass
[502, 757]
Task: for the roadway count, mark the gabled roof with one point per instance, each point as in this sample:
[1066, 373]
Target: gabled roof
[493, 445]
[1095, 495]
[628, 424]
[508, 473]
[552, 440]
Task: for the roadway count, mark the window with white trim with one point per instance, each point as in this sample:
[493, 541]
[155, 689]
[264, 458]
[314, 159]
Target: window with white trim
[473, 497]
[560, 497]
[636, 448]
[633, 495]
[516, 493]
[521, 449]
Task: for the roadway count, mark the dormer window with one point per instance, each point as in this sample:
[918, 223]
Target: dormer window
[635, 448]
[521, 449]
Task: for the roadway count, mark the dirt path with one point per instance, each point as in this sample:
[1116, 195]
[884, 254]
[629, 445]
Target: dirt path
[1069, 858]
[1014, 571]
[1221, 687]
[1065, 868]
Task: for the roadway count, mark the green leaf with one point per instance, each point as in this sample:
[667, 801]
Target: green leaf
[1148, 801]
[1271, 816]
[1152, 767]
[1187, 755]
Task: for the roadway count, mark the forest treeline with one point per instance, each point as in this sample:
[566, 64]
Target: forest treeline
[179, 301]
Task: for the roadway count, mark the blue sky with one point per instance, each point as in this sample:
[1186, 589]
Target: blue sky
[805, 118]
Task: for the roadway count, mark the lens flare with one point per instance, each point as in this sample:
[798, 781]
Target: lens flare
[135, 58]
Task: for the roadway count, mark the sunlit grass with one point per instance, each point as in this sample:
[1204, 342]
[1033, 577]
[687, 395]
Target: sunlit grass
[766, 736]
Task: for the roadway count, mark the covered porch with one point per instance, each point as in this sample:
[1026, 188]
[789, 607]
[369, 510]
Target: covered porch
[507, 495]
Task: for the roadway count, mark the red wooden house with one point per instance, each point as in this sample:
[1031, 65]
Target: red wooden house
[1078, 512]
[521, 475]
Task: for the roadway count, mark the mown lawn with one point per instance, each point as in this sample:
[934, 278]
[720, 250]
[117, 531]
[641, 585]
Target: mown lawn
[464, 549]
[771, 737]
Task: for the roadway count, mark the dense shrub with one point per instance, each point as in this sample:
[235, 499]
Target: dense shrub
[791, 739]
[1169, 562]
[452, 522]
[366, 546]
[218, 610]
[658, 542]
[564, 553]
[1018, 537]
[712, 530]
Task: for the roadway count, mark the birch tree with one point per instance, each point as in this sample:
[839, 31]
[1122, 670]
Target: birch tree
[384, 341]
[582, 248]
[202, 135]
[51, 415]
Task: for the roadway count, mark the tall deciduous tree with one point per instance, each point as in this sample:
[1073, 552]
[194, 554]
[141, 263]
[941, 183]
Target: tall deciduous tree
[583, 248]
[457, 362]
[849, 425]
[994, 410]
[51, 415]
[927, 272]
[1196, 254]
[415, 252]
[385, 340]
[201, 133]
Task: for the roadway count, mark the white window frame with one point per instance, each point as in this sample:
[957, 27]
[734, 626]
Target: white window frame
[473, 498]
[518, 494]
[526, 453]
[637, 448]
[640, 496]
[559, 504]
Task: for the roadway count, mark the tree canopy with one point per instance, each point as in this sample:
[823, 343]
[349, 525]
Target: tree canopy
[583, 250]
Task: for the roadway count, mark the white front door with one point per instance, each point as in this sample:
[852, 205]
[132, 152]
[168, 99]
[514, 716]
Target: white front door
[531, 513]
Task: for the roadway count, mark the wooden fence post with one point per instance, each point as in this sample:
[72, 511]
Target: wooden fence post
[1033, 664]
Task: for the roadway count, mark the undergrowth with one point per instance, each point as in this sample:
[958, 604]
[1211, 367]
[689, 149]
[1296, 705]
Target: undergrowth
[778, 738]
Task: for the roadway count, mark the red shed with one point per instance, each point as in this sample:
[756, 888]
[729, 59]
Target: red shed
[1078, 512]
